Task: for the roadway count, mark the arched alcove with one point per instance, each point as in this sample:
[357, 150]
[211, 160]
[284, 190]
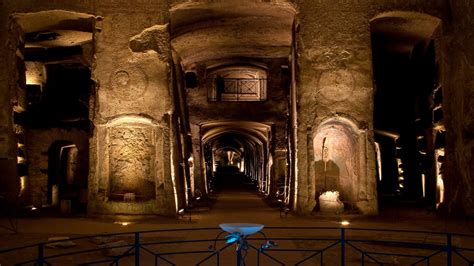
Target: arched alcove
[132, 159]
[133, 172]
[336, 162]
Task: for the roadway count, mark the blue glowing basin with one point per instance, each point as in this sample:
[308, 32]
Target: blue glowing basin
[242, 228]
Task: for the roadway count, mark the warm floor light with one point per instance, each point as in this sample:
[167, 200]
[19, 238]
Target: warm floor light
[33, 208]
[345, 223]
[123, 223]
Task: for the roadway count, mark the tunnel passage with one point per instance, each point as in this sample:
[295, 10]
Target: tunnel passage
[234, 61]
[408, 114]
[236, 155]
[229, 152]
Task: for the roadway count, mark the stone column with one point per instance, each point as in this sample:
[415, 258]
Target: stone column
[134, 167]
[458, 104]
[335, 79]
[8, 83]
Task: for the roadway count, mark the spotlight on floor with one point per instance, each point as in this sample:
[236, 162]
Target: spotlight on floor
[31, 208]
[345, 223]
[123, 223]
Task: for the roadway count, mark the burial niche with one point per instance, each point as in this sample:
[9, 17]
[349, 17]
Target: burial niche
[336, 165]
[132, 159]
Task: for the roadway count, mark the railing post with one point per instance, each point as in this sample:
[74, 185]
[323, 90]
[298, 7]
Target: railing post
[40, 259]
[137, 249]
[239, 257]
[449, 249]
[343, 240]
[258, 255]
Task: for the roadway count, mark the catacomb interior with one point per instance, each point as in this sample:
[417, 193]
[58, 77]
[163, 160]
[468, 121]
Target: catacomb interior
[411, 140]
[147, 108]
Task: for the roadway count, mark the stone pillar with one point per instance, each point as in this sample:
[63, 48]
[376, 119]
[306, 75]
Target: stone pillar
[458, 103]
[335, 80]
[8, 149]
[134, 167]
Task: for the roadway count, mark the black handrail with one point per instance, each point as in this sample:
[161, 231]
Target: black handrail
[330, 239]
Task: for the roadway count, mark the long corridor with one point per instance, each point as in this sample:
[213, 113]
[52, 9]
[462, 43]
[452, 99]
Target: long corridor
[236, 200]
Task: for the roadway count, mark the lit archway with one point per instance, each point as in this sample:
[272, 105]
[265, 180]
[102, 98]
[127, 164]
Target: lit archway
[337, 166]
[249, 140]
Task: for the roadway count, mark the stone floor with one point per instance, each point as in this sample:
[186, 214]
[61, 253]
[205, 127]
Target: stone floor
[229, 206]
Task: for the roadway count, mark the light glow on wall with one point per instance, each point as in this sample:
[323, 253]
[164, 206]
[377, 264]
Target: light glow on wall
[23, 185]
[173, 181]
[439, 153]
[423, 182]
[379, 160]
[191, 173]
[401, 178]
[21, 159]
[296, 193]
[35, 73]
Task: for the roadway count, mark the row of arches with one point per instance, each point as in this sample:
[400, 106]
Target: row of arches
[406, 40]
[239, 147]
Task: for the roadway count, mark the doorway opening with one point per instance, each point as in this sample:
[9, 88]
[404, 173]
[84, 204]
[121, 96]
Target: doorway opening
[67, 188]
[408, 120]
[237, 155]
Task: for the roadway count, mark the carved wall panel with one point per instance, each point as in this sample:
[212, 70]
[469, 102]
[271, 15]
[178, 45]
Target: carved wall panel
[131, 162]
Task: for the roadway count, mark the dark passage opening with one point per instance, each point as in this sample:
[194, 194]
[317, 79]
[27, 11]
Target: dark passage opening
[406, 115]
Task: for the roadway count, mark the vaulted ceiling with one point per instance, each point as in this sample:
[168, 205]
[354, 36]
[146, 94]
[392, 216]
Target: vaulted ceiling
[223, 30]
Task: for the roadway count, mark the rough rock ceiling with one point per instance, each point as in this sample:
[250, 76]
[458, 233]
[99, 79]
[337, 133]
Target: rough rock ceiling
[55, 28]
[61, 38]
[400, 31]
[222, 30]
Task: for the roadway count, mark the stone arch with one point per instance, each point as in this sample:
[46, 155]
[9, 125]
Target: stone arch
[253, 137]
[134, 168]
[401, 30]
[337, 158]
[62, 159]
[407, 72]
[406, 16]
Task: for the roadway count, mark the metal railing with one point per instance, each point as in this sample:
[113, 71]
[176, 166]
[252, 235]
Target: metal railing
[294, 246]
[237, 89]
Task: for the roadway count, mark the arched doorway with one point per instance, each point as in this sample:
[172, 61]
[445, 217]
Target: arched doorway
[408, 109]
[338, 181]
[66, 187]
[238, 151]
